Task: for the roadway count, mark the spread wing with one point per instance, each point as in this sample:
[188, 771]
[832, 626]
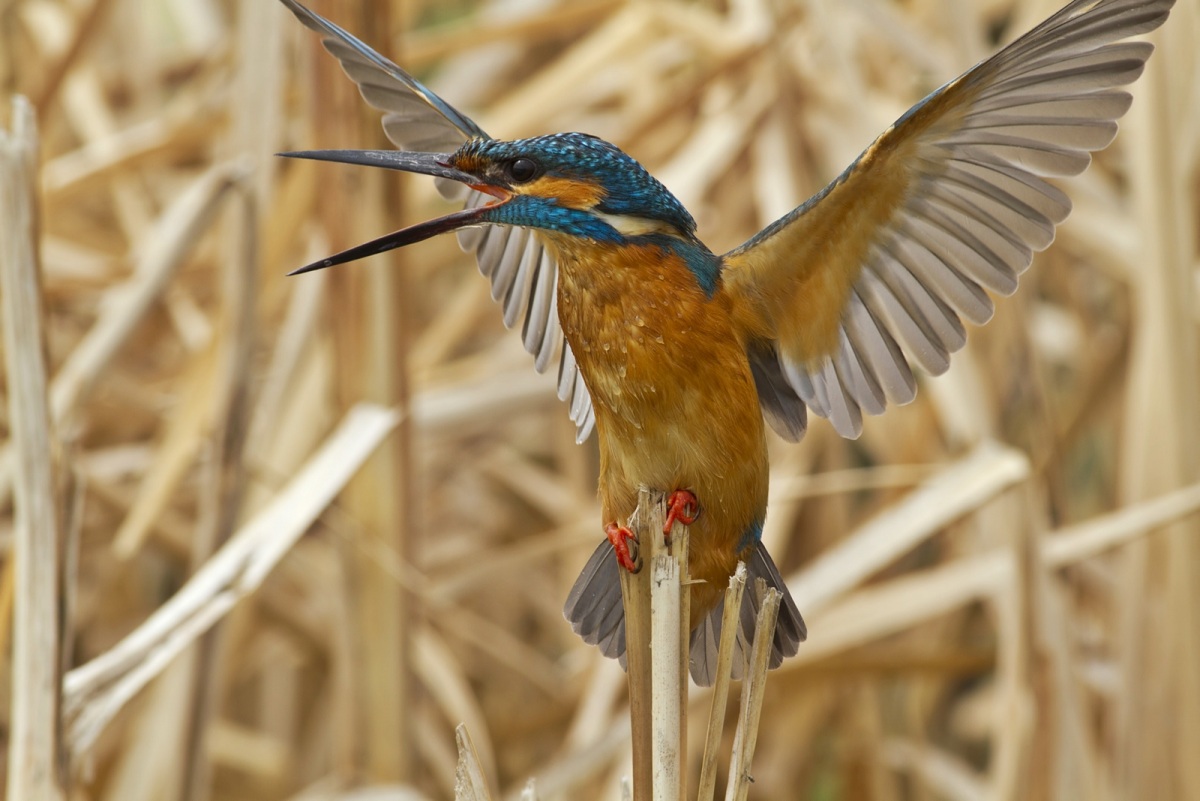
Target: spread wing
[879, 268]
[523, 275]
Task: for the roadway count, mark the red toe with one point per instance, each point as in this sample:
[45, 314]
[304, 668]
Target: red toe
[681, 506]
[621, 537]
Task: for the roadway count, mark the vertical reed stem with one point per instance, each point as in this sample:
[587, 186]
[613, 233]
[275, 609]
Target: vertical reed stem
[1160, 646]
[656, 637]
[34, 763]
[745, 738]
[720, 696]
[370, 335]
[665, 702]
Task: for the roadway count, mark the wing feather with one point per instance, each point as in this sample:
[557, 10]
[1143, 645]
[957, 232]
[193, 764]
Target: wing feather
[505, 267]
[904, 322]
[853, 372]
[387, 87]
[522, 273]
[880, 268]
[540, 315]
[491, 251]
[882, 356]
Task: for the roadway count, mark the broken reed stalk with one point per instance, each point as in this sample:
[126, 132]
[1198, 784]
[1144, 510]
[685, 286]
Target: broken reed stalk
[469, 781]
[656, 646]
[97, 690]
[657, 634]
[222, 497]
[720, 694]
[746, 736]
[34, 756]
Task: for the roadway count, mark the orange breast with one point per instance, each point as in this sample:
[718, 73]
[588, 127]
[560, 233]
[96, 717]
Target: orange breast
[675, 403]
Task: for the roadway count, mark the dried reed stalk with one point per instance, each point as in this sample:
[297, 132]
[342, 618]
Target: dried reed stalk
[469, 784]
[34, 749]
[1161, 429]
[730, 615]
[745, 737]
[656, 647]
[668, 637]
[960, 487]
[657, 634]
[221, 501]
[370, 335]
[96, 691]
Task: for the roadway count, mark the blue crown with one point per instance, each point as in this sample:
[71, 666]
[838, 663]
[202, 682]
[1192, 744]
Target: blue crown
[629, 189]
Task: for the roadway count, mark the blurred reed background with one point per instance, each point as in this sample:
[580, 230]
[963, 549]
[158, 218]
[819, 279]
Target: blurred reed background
[1001, 580]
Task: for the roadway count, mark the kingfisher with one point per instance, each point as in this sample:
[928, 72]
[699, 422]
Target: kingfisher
[680, 358]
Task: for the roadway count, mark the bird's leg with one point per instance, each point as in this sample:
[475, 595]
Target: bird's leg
[621, 537]
[681, 506]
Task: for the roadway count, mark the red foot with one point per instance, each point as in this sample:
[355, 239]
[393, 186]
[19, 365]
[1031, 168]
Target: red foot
[620, 537]
[681, 506]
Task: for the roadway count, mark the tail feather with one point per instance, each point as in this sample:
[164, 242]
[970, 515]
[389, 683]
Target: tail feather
[612, 641]
[596, 614]
[790, 630]
[594, 607]
[706, 642]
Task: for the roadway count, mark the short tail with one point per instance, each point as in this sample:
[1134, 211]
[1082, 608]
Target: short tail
[594, 606]
[595, 612]
[790, 630]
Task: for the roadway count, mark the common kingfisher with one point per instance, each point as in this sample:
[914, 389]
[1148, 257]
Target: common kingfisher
[676, 355]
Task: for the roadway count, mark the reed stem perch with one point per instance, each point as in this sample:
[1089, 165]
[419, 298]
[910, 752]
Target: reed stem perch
[666, 703]
[657, 626]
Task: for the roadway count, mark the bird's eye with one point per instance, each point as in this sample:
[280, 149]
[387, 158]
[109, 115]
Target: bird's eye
[522, 170]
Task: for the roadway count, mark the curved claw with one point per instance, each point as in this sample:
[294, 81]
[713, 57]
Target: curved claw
[681, 506]
[621, 539]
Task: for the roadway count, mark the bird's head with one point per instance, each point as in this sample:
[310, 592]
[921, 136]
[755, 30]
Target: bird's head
[573, 185]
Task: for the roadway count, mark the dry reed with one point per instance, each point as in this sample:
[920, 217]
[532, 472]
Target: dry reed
[359, 478]
[36, 556]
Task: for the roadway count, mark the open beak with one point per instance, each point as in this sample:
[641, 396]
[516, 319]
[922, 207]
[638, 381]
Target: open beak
[435, 164]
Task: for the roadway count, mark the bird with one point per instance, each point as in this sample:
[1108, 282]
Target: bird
[680, 358]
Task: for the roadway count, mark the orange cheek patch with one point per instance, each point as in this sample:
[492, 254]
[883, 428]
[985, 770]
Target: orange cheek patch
[570, 192]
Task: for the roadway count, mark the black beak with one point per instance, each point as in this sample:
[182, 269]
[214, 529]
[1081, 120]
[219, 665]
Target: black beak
[435, 164]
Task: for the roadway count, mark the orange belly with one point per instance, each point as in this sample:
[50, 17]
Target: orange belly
[675, 403]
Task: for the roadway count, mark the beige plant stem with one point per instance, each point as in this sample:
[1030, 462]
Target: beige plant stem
[96, 691]
[745, 738]
[666, 709]
[34, 749]
[720, 691]
[656, 647]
